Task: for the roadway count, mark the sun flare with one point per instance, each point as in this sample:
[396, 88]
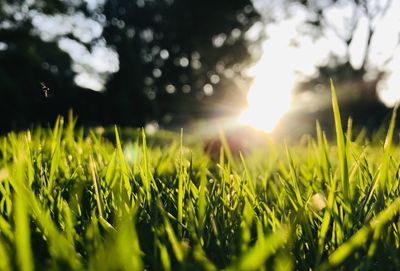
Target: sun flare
[268, 101]
[269, 97]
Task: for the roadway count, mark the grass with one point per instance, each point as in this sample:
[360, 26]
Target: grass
[76, 200]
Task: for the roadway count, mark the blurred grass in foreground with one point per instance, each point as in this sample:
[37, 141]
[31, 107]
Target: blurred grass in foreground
[74, 200]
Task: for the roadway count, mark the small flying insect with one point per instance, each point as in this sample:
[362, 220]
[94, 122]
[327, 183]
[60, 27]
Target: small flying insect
[45, 89]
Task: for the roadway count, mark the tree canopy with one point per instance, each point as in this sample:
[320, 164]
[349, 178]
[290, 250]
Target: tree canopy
[357, 27]
[25, 61]
[178, 59]
[175, 59]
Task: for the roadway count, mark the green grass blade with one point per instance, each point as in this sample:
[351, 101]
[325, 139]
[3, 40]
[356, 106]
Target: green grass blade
[181, 179]
[146, 169]
[359, 238]
[326, 220]
[5, 263]
[255, 258]
[22, 235]
[323, 154]
[55, 151]
[341, 145]
[383, 176]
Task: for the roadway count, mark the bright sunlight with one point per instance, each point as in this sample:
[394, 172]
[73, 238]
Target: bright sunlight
[277, 72]
[269, 97]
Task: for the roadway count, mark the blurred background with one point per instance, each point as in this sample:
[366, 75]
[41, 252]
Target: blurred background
[178, 63]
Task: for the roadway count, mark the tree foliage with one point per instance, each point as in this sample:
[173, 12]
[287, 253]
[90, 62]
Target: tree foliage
[177, 60]
[31, 66]
[357, 29]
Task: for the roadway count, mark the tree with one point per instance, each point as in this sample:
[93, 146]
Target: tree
[178, 59]
[352, 30]
[356, 25]
[25, 61]
[37, 76]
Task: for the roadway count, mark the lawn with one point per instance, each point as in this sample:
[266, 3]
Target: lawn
[76, 199]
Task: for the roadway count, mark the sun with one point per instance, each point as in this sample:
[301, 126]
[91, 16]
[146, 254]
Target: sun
[266, 105]
[270, 96]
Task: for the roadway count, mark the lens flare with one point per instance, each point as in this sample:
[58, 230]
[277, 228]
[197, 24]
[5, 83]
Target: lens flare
[267, 103]
[270, 96]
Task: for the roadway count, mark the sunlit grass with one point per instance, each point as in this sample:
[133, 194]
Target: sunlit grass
[77, 200]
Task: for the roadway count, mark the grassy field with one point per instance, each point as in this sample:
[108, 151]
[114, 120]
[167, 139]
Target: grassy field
[75, 200]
